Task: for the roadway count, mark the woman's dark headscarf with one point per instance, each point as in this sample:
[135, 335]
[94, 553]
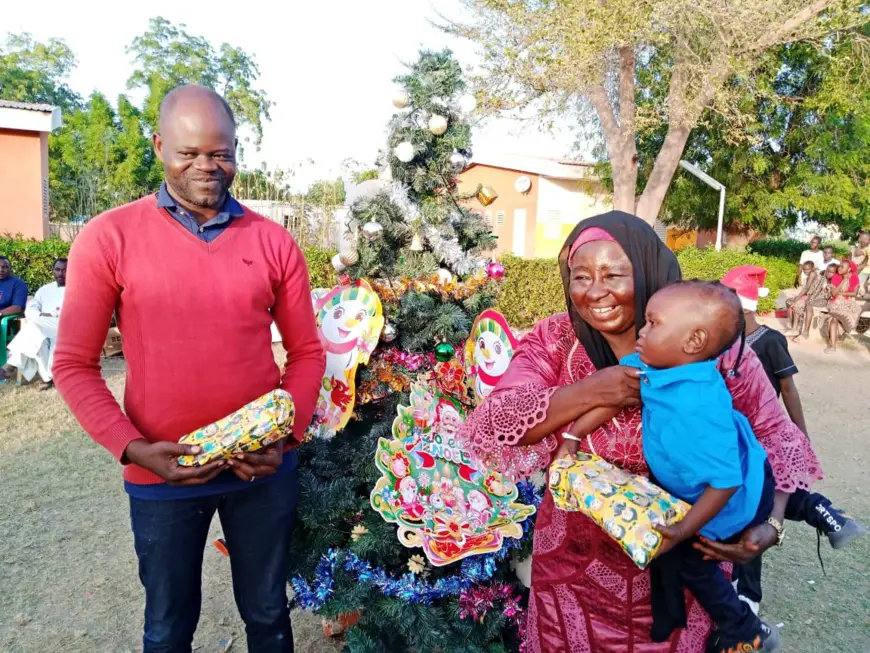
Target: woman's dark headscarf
[654, 265]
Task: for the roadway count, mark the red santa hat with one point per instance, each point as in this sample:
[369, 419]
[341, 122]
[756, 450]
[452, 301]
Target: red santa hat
[748, 282]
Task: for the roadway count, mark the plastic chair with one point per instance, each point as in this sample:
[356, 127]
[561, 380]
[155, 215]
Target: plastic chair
[6, 334]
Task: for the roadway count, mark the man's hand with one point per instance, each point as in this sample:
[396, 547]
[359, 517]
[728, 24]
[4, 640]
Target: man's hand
[671, 537]
[162, 459]
[251, 466]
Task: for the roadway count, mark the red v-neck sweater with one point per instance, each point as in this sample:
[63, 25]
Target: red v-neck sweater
[195, 318]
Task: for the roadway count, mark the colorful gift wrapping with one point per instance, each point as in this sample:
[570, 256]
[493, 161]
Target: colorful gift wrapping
[626, 506]
[254, 426]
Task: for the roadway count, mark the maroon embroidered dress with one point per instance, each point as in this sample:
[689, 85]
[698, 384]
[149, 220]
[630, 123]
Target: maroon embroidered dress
[587, 595]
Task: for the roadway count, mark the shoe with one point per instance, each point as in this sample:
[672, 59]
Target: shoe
[850, 531]
[767, 641]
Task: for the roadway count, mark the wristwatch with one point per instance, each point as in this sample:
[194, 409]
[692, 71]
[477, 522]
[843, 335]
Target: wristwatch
[779, 528]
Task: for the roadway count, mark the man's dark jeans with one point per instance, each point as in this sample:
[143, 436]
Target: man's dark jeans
[170, 538]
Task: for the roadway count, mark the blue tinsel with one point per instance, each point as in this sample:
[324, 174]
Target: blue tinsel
[409, 588]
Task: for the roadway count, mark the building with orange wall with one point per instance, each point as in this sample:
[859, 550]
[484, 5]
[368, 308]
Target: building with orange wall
[539, 200]
[24, 131]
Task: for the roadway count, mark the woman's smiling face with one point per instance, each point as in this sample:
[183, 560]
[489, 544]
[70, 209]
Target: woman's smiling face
[602, 286]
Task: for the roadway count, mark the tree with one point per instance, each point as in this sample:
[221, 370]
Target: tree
[565, 56]
[346, 558]
[806, 153]
[326, 193]
[99, 159]
[168, 56]
[36, 72]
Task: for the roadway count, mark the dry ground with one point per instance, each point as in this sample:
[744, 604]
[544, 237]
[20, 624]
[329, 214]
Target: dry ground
[68, 573]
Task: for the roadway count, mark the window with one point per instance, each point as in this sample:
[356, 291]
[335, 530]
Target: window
[499, 219]
[487, 218]
[45, 197]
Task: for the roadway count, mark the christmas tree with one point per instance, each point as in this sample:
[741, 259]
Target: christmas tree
[421, 250]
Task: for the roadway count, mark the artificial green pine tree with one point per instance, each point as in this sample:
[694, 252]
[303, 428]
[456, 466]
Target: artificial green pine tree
[409, 230]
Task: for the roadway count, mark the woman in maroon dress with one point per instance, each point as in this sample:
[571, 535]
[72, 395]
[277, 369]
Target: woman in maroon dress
[587, 595]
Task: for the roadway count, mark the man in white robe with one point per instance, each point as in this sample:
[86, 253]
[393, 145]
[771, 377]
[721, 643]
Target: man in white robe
[32, 350]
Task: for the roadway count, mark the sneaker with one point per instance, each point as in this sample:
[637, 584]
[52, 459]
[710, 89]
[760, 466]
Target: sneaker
[850, 531]
[767, 641]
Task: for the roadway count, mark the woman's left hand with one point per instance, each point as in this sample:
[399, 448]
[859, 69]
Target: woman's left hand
[752, 544]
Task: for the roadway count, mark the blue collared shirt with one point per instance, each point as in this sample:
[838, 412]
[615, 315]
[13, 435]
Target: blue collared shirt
[694, 439]
[13, 292]
[211, 229]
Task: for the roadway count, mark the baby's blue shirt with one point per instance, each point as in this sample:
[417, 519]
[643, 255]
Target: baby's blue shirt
[693, 438]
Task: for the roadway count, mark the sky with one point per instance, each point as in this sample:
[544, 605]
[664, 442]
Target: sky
[327, 65]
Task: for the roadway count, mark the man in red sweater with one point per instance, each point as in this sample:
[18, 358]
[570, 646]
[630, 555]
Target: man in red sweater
[195, 280]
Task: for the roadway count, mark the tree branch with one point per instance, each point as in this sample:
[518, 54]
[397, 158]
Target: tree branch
[790, 26]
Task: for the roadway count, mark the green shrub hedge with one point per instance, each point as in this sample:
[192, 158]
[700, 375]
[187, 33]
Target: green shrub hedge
[532, 289]
[788, 248]
[712, 265]
[32, 260]
[319, 267]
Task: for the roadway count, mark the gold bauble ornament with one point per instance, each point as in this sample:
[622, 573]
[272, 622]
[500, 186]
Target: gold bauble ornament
[486, 196]
[437, 124]
[349, 258]
[401, 99]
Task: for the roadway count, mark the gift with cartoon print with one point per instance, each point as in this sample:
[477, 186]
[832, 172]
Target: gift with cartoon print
[627, 506]
[256, 425]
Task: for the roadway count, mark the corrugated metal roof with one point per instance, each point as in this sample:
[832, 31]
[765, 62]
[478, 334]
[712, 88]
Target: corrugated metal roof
[42, 108]
[555, 168]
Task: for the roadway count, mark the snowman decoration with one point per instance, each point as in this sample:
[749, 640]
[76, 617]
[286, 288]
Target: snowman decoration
[488, 352]
[349, 321]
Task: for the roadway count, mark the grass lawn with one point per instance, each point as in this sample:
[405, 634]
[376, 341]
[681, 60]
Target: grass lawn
[68, 572]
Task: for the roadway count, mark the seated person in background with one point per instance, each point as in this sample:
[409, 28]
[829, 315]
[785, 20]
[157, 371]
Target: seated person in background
[771, 347]
[13, 291]
[861, 257]
[32, 350]
[814, 254]
[814, 293]
[844, 310]
[828, 257]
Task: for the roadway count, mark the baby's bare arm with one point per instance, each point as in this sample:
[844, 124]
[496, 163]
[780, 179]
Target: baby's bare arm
[583, 426]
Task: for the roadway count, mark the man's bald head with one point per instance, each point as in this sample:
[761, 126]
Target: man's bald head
[196, 142]
[195, 98]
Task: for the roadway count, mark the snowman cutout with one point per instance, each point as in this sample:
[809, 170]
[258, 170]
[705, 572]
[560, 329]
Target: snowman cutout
[349, 321]
[488, 352]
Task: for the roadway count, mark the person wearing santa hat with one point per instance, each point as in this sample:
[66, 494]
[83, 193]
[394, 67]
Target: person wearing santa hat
[771, 347]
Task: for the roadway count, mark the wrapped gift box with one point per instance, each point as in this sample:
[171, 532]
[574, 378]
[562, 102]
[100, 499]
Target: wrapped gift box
[625, 505]
[254, 426]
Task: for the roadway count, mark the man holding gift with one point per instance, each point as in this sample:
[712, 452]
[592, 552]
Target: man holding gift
[196, 280]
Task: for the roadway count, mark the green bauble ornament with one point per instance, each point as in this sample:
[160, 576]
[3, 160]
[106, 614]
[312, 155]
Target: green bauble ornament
[444, 352]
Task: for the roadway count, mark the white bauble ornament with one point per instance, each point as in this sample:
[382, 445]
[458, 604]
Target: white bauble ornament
[373, 230]
[389, 333]
[437, 124]
[444, 276]
[401, 99]
[467, 104]
[348, 258]
[458, 162]
[337, 264]
[404, 152]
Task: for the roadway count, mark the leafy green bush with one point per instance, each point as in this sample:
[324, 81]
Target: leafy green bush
[320, 267]
[788, 248]
[532, 290]
[710, 264]
[32, 260]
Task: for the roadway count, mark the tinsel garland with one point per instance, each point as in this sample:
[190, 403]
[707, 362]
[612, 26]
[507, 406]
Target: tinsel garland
[448, 249]
[411, 362]
[476, 602]
[409, 588]
[393, 291]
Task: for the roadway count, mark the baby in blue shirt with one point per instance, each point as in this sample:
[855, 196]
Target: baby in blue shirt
[701, 450]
